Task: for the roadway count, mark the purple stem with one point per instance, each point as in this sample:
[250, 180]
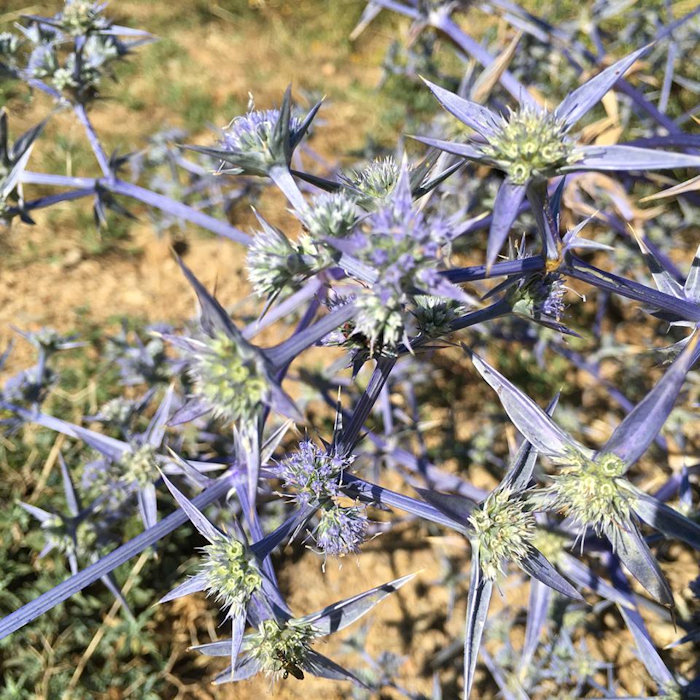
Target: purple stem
[30, 178]
[95, 144]
[287, 350]
[92, 573]
[578, 269]
[309, 290]
[52, 199]
[473, 48]
[473, 273]
[348, 438]
[159, 201]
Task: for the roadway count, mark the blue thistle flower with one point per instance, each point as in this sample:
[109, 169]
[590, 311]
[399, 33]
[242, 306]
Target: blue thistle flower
[374, 184]
[403, 246]
[315, 474]
[261, 142]
[277, 266]
[531, 145]
[281, 644]
[341, 529]
[332, 215]
[590, 487]
[233, 379]
[80, 17]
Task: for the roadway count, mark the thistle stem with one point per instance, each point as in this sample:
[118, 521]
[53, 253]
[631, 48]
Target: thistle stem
[92, 573]
[153, 199]
[578, 269]
[459, 275]
[473, 48]
[94, 140]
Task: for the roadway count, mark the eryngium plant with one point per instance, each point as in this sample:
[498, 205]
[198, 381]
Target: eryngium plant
[380, 265]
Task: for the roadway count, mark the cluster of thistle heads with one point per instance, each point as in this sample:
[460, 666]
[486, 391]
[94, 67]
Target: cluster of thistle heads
[519, 231]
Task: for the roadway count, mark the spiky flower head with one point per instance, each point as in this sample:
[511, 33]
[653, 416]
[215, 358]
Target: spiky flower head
[281, 647]
[313, 472]
[118, 412]
[540, 297]
[403, 245]
[231, 573]
[434, 314]
[380, 323]
[79, 17]
[31, 384]
[375, 182]
[137, 467]
[276, 265]
[260, 142]
[529, 143]
[332, 214]
[49, 341]
[341, 530]
[252, 136]
[113, 482]
[591, 492]
[229, 376]
[504, 529]
[67, 535]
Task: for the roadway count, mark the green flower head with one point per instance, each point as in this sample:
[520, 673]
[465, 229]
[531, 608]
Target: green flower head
[529, 143]
[504, 530]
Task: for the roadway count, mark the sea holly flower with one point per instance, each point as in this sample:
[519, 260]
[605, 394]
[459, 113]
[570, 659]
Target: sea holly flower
[434, 315]
[278, 266]
[93, 42]
[403, 245]
[231, 572]
[233, 379]
[130, 468]
[541, 298]
[531, 145]
[142, 360]
[341, 530]
[33, 384]
[80, 17]
[589, 487]
[261, 142]
[281, 645]
[126, 469]
[373, 184]
[316, 475]
[502, 529]
[30, 385]
[332, 215]
[538, 295]
[49, 341]
[72, 535]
